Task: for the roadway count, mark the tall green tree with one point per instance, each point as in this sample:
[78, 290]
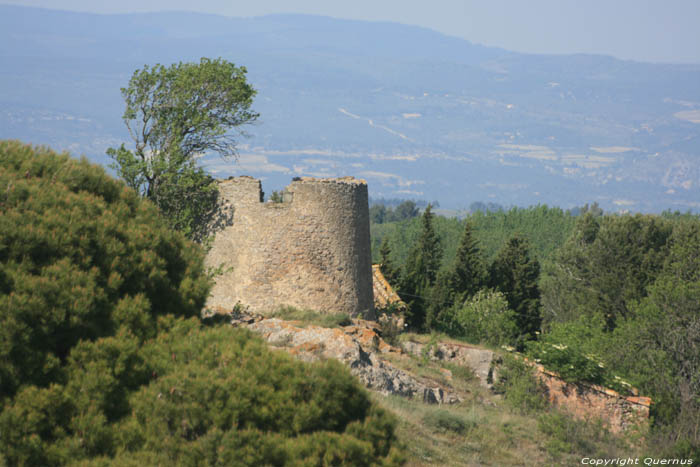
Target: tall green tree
[421, 271]
[466, 277]
[515, 273]
[469, 273]
[175, 114]
[659, 345]
[405, 210]
[389, 270]
[605, 267]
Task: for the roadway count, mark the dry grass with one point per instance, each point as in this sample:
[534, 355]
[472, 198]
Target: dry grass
[487, 435]
[309, 317]
[485, 430]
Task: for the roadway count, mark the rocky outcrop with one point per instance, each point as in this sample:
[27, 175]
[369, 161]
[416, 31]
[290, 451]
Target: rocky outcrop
[361, 348]
[481, 361]
[358, 346]
[584, 400]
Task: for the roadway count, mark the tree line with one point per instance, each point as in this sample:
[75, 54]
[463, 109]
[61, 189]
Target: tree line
[614, 299]
[444, 299]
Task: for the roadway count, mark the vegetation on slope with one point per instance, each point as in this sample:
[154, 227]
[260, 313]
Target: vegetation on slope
[617, 302]
[512, 425]
[103, 359]
[546, 228]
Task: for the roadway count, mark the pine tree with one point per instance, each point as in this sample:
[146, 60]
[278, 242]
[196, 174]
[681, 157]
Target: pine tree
[469, 272]
[463, 280]
[421, 271]
[389, 270]
[515, 273]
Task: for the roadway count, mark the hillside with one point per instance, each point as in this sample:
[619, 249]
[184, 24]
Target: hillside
[460, 404]
[109, 356]
[104, 358]
[416, 113]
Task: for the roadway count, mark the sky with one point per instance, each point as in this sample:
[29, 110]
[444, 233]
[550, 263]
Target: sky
[643, 30]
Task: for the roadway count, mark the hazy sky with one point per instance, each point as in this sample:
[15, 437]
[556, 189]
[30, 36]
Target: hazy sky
[647, 30]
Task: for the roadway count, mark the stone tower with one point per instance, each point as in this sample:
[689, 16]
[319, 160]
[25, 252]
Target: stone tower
[311, 251]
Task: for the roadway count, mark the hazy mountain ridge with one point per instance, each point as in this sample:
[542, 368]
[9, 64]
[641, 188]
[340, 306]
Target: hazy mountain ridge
[417, 113]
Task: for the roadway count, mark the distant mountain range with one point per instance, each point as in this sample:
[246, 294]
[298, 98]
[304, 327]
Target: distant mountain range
[416, 113]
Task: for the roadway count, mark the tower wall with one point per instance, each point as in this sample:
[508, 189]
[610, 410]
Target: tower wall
[311, 251]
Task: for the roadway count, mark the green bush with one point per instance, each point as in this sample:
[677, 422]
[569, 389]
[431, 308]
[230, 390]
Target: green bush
[572, 365]
[566, 350]
[80, 257]
[484, 318]
[519, 386]
[444, 420]
[197, 396]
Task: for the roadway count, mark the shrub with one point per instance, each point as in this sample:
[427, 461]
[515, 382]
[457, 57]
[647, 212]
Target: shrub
[519, 386]
[391, 321]
[572, 365]
[197, 396]
[80, 257]
[564, 351]
[444, 420]
[484, 318]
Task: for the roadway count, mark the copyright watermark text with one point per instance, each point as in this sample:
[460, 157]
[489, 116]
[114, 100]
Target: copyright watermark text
[621, 461]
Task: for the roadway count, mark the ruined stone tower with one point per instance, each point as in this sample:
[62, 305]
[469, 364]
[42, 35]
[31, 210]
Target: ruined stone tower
[311, 251]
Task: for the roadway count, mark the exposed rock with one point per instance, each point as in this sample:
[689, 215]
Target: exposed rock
[582, 400]
[357, 346]
[479, 360]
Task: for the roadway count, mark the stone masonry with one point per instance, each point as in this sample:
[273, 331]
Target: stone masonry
[310, 251]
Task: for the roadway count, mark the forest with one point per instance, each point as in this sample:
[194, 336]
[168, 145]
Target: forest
[612, 299]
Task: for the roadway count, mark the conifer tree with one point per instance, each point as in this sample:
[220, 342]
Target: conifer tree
[421, 271]
[515, 273]
[463, 280]
[389, 270]
[469, 271]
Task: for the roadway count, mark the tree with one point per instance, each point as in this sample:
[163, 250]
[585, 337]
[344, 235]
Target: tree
[515, 273]
[80, 258]
[405, 210]
[175, 114]
[660, 344]
[462, 281]
[390, 272]
[469, 273]
[605, 266]
[421, 271]
[377, 213]
[276, 197]
[486, 318]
